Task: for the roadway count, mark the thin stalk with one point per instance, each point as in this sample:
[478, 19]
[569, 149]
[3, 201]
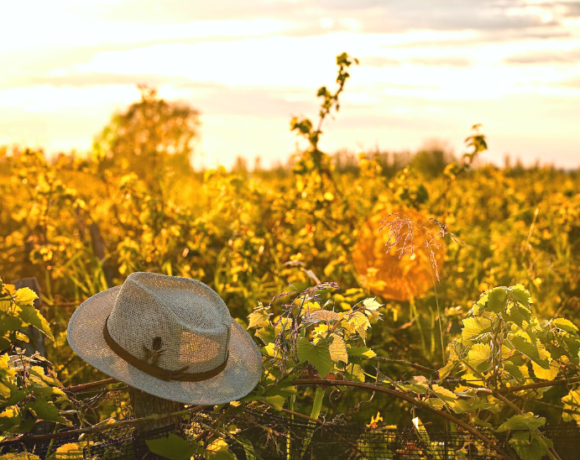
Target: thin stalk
[439, 318]
[291, 402]
[314, 413]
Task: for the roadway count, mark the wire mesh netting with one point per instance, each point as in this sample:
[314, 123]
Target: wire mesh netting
[253, 435]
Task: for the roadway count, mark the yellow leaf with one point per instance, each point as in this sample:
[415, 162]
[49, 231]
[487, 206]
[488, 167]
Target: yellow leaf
[271, 350]
[338, 349]
[472, 327]
[70, 451]
[546, 374]
[324, 315]
[258, 318]
[479, 354]
[358, 322]
[572, 402]
[19, 456]
[443, 393]
[25, 296]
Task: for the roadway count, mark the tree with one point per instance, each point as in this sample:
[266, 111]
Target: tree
[153, 139]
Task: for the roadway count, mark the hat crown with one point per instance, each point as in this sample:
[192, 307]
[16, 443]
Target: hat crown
[171, 322]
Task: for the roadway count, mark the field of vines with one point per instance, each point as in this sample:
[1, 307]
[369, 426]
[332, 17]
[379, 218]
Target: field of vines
[437, 290]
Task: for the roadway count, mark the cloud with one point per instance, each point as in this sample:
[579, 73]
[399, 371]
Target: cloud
[572, 9]
[423, 61]
[82, 80]
[573, 83]
[545, 57]
[441, 61]
[380, 61]
[373, 16]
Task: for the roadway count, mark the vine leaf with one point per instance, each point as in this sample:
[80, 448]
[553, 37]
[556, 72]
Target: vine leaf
[514, 370]
[338, 350]
[478, 356]
[518, 422]
[25, 296]
[473, 327]
[31, 315]
[565, 325]
[530, 446]
[45, 410]
[173, 447]
[443, 393]
[521, 294]
[258, 317]
[572, 402]
[70, 451]
[496, 300]
[361, 351]
[517, 314]
[529, 350]
[546, 374]
[318, 355]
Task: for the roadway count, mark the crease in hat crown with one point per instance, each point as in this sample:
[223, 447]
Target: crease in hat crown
[171, 322]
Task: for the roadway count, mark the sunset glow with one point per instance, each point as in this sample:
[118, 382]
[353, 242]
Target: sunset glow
[427, 70]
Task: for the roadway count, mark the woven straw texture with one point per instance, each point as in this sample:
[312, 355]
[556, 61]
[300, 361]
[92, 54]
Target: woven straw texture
[170, 322]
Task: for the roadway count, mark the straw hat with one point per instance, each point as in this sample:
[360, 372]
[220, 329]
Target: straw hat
[168, 336]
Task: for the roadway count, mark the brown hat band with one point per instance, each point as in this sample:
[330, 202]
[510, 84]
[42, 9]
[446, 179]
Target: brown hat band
[158, 372]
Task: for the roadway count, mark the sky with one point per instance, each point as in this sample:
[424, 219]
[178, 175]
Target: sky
[429, 70]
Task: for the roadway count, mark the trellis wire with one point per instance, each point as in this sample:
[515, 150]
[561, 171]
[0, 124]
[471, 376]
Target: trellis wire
[274, 437]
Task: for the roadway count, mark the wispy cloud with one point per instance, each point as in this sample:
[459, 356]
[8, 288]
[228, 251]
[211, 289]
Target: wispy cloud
[568, 57]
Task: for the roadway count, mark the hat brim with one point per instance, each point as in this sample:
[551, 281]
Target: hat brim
[241, 375]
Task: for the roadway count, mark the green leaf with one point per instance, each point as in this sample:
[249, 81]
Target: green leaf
[521, 294]
[496, 300]
[248, 448]
[529, 350]
[5, 392]
[9, 417]
[480, 422]
[361, 352]
[565, 325]
[473, 327]
[517, 314]
[222, 453]
[266, 334]
[354, 372]
[45, 410]
[173, 447]
[31, 315]
[418, 384]
[276, 401]
[513, 370]
[522, 422]
[317, 355]
[529, 446]
[10, 323]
